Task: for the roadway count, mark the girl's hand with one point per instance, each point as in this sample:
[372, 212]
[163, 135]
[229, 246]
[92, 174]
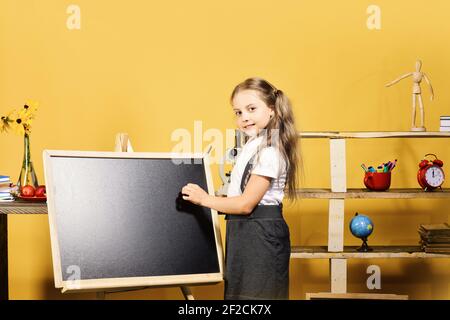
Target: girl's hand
[194, 193]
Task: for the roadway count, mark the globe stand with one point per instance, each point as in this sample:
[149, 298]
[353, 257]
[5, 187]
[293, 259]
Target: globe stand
[364, 247]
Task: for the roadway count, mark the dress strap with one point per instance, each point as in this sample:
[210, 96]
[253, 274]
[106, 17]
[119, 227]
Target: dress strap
[246, 174]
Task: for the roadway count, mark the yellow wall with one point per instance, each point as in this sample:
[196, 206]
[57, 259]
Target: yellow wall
[150, 67]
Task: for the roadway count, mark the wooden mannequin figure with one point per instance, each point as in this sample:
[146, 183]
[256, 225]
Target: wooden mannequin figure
[416, 94]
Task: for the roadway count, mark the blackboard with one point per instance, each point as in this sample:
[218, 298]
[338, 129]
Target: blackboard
[118, 220]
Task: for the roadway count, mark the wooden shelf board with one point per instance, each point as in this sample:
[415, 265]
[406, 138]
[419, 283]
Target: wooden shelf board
[359, 296]
[372, 134]
[413, 193]
[321, 252]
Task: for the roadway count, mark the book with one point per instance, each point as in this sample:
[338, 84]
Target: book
[435, 228]
[435, 238]
[433, 235]
[437, 250]
[5, 189]
[438, 245]
[5, 178]
[444, 124]
[435, 242]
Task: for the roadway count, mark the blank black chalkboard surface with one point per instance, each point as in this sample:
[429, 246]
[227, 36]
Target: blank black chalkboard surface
[117, 220]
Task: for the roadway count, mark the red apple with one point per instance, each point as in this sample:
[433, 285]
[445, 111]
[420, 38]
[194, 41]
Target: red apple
[27, 191]
[40, 191]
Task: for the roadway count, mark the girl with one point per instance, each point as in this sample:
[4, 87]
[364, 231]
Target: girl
[257, 242]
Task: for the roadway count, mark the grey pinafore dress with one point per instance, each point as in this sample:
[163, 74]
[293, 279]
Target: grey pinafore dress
[257, 254]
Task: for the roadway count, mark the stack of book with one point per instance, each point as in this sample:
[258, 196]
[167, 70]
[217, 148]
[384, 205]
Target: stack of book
[5, 189]
[435, 238]
[445, 124]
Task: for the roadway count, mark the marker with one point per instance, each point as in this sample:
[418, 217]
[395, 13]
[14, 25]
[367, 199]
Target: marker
[389, 166]
[393, 165]
[379, 169]
[371, 169]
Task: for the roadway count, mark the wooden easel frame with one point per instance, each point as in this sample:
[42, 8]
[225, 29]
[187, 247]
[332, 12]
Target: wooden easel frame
[110, 285]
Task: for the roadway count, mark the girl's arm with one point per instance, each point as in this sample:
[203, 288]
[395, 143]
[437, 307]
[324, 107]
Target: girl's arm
[254, 191]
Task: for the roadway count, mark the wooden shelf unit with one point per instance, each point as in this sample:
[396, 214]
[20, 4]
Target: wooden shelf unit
[335, 251]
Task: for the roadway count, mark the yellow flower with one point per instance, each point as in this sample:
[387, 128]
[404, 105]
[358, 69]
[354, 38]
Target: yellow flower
[5, 122]
[30, 108]
[25, 116]
[28, 111]
[20, 121]
[18, 126]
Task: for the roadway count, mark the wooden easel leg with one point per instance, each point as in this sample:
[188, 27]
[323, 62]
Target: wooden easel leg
[4, 291]
[123, 143]
[187, 293]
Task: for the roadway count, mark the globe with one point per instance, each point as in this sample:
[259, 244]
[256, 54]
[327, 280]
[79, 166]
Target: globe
[361, 227]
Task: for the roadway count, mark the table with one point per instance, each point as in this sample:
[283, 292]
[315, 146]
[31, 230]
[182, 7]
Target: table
[15, 207]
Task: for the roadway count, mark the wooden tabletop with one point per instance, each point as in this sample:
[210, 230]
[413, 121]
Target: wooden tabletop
[23, 207]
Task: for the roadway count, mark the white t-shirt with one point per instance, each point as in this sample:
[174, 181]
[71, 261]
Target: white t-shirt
[269, 164]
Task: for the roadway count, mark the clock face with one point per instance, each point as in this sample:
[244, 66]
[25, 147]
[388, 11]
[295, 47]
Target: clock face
[434, 176]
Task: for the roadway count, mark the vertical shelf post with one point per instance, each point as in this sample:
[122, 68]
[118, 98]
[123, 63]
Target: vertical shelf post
[338, 165]
[338, 272]
[336, 225]
[338, 267]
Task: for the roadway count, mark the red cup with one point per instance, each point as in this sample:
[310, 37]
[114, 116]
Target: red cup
[377, 181]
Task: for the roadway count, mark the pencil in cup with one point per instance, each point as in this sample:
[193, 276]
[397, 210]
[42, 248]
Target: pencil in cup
[393, 164]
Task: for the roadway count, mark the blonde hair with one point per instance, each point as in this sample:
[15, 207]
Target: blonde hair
[282, 123]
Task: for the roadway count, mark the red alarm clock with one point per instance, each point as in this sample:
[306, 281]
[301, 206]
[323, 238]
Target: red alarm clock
[430, 175]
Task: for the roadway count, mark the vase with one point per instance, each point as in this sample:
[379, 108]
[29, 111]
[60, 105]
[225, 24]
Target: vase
[27, 174]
